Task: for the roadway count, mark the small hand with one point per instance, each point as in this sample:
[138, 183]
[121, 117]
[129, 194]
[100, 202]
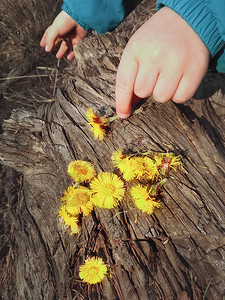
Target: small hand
[164, 58]
[64, 29]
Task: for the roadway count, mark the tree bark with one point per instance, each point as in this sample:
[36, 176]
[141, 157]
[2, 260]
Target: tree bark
[176, 253]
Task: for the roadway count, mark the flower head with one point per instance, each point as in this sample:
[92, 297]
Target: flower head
[145, 168]
[143, 198]
[117, 156]
[132, 167]
[124, 164]
[99, 124]
[69, 220]
[166, 162]
[81, 171]
[77, 200]
[107, 189]
[93, 270]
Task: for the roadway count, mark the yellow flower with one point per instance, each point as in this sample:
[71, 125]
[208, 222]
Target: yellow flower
[81, 171]
[107, 190]
[145, 168]
[77, 200]
[124, 164]
[99, 124]
[69, 220]
[167, 161]
[93, 270]
[143, 198]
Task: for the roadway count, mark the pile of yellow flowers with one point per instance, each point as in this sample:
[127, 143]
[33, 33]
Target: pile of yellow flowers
[104, 190]
[146, 173]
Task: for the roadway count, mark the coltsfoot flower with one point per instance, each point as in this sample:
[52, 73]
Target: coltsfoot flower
[81, 171]
[77, 200]
[165, 162]
[145, 168]
[124, 164]
[69, 220]
[143, 198]
[135, 167]
[107, 190]
[98, 124]
[93, 270]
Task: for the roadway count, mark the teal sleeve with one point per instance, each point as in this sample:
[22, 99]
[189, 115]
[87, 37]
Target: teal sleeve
[98, 15]
[218, 10]
[207, 19]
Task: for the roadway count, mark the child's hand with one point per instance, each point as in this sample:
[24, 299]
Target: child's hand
[64, 29]
[165, 57]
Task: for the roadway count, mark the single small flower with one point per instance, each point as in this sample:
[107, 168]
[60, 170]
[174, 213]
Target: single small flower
[124, 164]
[145, 168]
[81, 171]
[143, 198]
[165, 162]
[107, 189]
[69, 220]
[99, 124]
[117, 156]
[77, 200]
[93, 270]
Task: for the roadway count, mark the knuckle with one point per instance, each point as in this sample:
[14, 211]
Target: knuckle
[122, 85]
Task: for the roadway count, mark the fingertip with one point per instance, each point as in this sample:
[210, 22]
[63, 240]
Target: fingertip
[123, 110]
[62, 50]
[160, 99]
[70, 56]
[59, 55]
[186, 89]
[123, 116]
[180, 100]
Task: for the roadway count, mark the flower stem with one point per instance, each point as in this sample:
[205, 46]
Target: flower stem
[111, 119]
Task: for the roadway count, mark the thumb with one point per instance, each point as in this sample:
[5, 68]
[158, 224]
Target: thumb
[51, 37]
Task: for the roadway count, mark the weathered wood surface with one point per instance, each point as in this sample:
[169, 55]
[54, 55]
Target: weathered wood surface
[175, 253]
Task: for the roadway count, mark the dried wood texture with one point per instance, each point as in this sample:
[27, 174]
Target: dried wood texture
[178, 252]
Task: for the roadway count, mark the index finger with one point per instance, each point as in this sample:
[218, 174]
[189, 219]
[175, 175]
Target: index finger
[125, 80]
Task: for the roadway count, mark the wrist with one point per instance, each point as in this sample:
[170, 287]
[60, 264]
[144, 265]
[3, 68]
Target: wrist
[68, 11]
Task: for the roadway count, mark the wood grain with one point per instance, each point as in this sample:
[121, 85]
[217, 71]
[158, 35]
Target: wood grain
[173, 254]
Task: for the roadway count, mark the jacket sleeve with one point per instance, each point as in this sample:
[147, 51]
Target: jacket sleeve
[98, 15]
[218, 10]
[206, 18]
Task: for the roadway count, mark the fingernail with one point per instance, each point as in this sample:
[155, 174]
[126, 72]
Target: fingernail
[47, 48]
[156, 98]
[123, 116]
